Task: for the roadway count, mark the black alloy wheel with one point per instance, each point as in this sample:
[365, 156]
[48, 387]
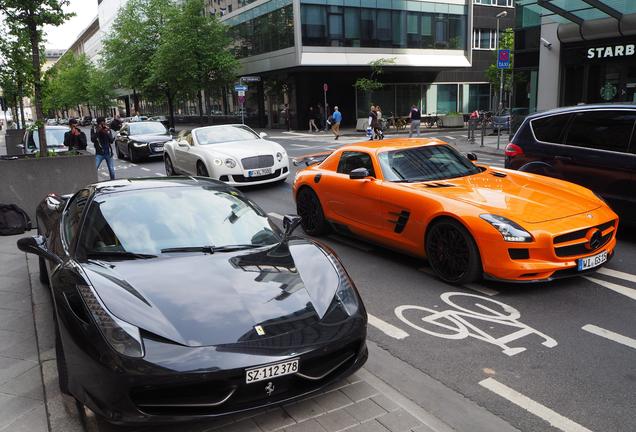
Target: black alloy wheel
[452, 252]
[309, 209]
[202, 171]
[131, 154]
[120, 155]
[168, 164]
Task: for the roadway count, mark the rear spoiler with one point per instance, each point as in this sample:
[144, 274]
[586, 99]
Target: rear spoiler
[311, 159]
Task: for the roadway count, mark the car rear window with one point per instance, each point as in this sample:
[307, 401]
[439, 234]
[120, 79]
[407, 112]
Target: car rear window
[551, 129]
[603, 130]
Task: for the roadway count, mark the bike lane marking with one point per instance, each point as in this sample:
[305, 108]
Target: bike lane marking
[386, 328]
[617, 274]
[629, 292]
[555, 419]
[608, 334]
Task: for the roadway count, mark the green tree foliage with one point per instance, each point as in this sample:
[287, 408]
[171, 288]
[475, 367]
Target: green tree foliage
[28, 17]
[493, 73]
[16, 69]
[372, 83]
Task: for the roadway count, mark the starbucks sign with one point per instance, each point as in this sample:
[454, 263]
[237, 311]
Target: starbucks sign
[611, 51]
[608, 91]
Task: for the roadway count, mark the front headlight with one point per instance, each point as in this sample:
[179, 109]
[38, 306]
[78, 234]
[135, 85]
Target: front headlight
[139, 144]
[218, 162]
[122, 336]
[230, 163]
[345, 293]
[279, 156]
[510, 230]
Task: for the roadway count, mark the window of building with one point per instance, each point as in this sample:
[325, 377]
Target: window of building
[485, 39]
[446, 98]
[274, 31]
[478, 97]
[507, 3]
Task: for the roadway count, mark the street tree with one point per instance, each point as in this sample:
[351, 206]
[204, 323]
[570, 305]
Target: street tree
[100, 89]
[493, 73]
[30, 16]
[15, 67]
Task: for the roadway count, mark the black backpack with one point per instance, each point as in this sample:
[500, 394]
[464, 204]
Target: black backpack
[13, 220]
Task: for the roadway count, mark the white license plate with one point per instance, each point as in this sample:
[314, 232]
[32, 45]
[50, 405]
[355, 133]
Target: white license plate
[591, 262]
[259, 172]
[271, 371]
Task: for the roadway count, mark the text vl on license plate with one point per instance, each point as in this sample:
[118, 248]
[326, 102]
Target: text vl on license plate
[259, 172]
[592, 261]
[272, 370]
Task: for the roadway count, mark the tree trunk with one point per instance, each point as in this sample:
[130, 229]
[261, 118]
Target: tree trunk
[200, 99]
[169, 98]
[90, 113]
[34, 36]
[135, 102]
[21, 123]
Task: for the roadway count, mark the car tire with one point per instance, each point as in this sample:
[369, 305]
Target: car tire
[131, 155]
[309, 209]
[120, 155]
[167, 162]
[202, 171]
[452, 252]
[62, 370]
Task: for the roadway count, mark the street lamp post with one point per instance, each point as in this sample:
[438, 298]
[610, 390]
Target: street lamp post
[500, 107]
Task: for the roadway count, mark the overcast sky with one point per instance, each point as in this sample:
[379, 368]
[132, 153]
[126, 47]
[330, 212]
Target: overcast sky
[63, 36]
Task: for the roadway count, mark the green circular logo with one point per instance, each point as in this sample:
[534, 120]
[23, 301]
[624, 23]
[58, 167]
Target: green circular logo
[608, 91]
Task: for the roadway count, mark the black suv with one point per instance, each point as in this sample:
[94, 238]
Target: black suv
[592, 145]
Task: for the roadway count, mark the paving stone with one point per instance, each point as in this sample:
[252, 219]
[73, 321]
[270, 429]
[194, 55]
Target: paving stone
[27, 384]
[306, 426]
[18, 346]
[31, 421]
[360, 391]
[353, 378]
[17, 321]
[15, 300]
[333, 401]
[365, 410]
[422, 428]
[371, 426]
[337, 420]
[385, 402]
[304, 410]
[242, 426]
[399, 421]
[11, 368]
[14, 407]
[13, 284]
[274, 420]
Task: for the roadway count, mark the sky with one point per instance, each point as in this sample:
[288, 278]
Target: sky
[63, 36]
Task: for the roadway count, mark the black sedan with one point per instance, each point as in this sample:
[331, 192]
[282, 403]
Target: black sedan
[178, 299]
[141, 140]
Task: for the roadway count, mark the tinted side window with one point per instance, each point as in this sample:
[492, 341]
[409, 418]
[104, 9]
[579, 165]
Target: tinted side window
[352, 160]
[551, 129]
[73, 215]
[603, 130]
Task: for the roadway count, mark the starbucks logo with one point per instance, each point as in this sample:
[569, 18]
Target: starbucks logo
[608, 91]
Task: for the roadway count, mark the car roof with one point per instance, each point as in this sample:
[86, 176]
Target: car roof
[579, 108]
[142, 183]
[390, 144]
[220, 126]
[49, 127]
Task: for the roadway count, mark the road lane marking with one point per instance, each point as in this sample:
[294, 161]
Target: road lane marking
[386, 328]
[629, 292]
[482, 289]
[555, 419]
[300, 145]
[275, 216]
[608, 334]
[132, 164]
[145, 169]
[617, 274]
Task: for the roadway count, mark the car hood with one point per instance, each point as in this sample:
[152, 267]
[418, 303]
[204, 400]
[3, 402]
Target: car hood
[519, 197]
[151, 138]
[243, 149]
[198, 299]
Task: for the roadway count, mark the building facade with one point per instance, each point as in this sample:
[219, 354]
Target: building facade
[574, 52]
[438, 51]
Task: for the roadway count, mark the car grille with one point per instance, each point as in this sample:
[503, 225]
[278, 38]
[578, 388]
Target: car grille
[575, 243]
[261, 161]
[238, 178]
[156, 147]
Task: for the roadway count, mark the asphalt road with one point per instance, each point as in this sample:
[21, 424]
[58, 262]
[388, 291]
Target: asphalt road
[566, 359]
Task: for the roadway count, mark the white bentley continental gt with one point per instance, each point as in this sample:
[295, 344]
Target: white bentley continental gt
[233, 154]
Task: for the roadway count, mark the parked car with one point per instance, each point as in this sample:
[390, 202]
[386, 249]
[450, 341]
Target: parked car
[591, 145]
[234, 154]
[177, 299]
[54, 140]
[162, 119]
[51, 122]
[141, 140]
[62, 121]
[86, 121]
[423, 198]
[501, 121]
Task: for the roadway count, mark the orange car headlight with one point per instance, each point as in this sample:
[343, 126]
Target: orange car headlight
[511, 231]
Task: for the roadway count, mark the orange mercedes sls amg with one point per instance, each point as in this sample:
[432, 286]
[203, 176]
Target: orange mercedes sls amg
[422, 197]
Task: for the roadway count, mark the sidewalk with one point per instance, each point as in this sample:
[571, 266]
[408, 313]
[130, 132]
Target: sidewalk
[366, 402]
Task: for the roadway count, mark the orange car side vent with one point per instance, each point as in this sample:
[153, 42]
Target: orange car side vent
[400, 222]
[439, 185]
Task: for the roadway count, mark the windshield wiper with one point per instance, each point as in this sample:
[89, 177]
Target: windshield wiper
[118, 254]
[209, 249]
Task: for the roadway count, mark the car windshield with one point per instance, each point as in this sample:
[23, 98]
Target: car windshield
[151, 220]
[436, 162]
[147, 128]
[54, 138]
[223, 134]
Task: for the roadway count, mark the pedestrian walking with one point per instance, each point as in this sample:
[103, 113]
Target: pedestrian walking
[75, 138]
[337, 118]
[311, 115]
[102, 138]
[116, 123]
[374, 125]
[416, 118]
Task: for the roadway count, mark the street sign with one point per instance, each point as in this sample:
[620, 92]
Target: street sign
[240, 87]
[241, 99]
[241, 93]
[503, 59]
[250, 79]
[325, 87]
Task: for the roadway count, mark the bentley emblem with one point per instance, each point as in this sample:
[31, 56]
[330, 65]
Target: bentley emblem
[269, 389]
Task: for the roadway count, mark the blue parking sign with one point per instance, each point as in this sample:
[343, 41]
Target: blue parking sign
[503, 59]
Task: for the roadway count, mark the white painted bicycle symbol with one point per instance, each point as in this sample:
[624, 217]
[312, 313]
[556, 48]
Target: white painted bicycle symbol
[455, 321]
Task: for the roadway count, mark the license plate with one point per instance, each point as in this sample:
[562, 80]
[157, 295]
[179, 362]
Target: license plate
[259, 172]
[271, 371]
[591, 262]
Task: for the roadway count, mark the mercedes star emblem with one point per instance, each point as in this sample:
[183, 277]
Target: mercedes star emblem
[270, 388]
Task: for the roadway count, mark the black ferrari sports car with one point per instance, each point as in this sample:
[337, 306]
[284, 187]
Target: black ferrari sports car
[177, 299]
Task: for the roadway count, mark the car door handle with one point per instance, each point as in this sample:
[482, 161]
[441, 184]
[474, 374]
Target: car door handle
[563, 158]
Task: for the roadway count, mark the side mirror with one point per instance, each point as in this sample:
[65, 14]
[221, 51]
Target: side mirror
[359, 174]
[171, 130]
[290, 223]
[123, 133]
[37, 245]
[183, 144]
[471, 157]
[54, 203]
[262, 135]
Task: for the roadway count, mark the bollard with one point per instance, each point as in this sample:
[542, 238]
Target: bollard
[483, 132]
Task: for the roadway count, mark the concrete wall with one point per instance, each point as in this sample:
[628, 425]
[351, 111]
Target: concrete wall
[26, 181]
[549, 67]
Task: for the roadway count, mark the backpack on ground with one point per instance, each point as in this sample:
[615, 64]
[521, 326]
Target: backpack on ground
[13, 220]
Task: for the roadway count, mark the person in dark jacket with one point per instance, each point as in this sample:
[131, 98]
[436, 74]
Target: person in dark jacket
[74, 139]
[116, 123]
[102, 138]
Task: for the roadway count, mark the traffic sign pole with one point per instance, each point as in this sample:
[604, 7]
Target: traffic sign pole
[325, 88]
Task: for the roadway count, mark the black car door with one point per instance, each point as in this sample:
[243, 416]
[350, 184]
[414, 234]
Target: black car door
[121, 140]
